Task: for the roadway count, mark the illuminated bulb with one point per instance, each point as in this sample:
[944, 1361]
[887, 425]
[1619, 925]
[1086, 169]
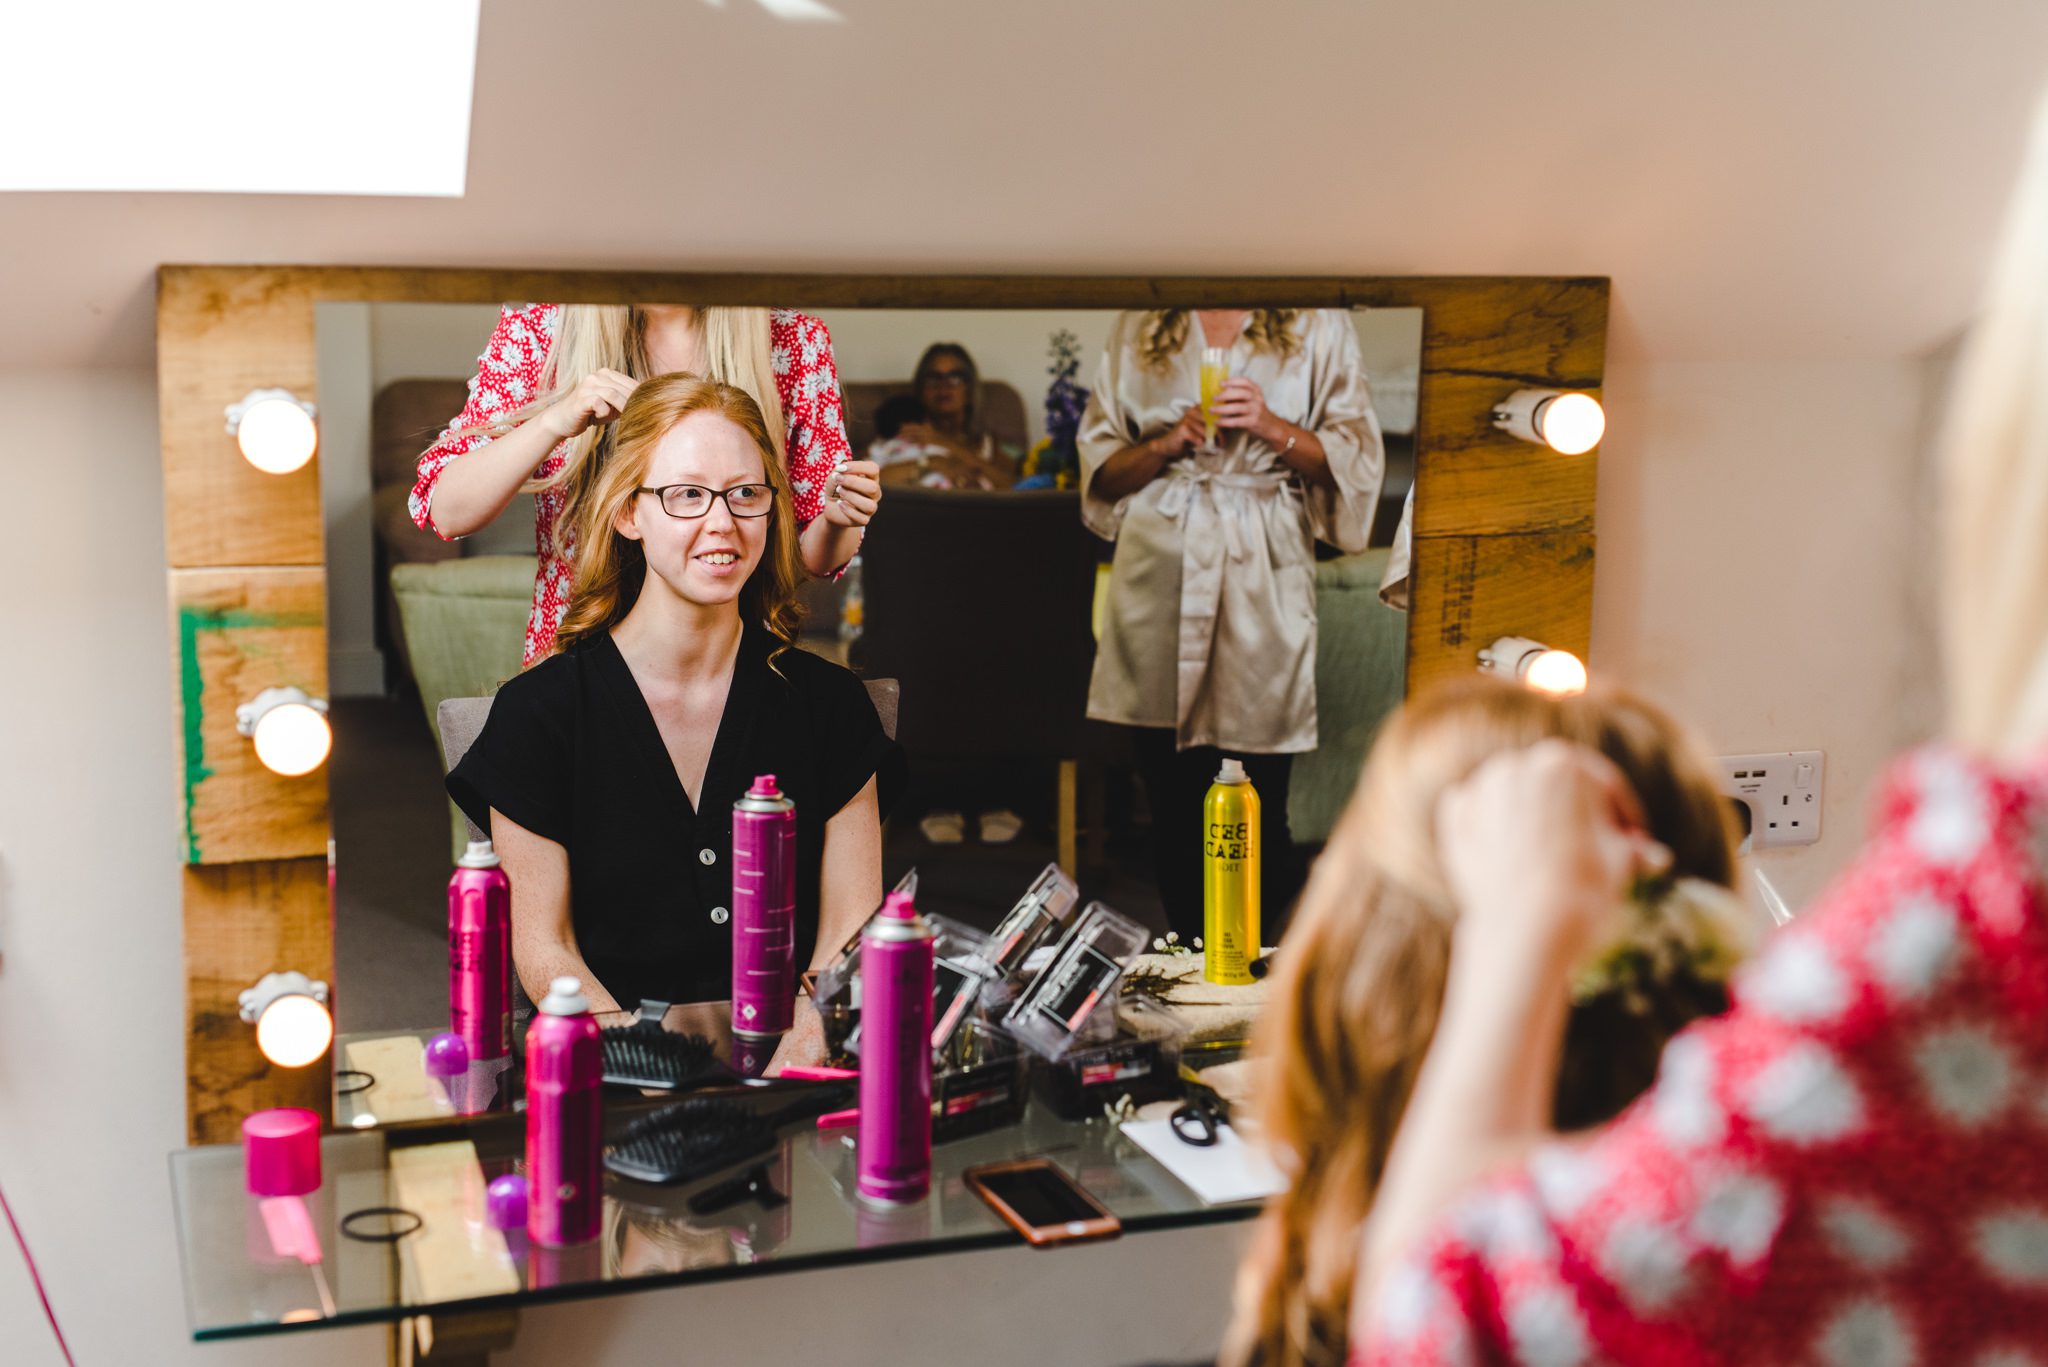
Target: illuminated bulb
[289, 1011]
[1535, 665]
[1570, 424]
[289, 728]
[1557, 672]
[274, 428]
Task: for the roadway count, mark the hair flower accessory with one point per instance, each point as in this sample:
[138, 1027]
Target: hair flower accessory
[1670, 927]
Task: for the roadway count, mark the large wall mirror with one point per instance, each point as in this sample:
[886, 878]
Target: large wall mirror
[980, 590]
[985, 587]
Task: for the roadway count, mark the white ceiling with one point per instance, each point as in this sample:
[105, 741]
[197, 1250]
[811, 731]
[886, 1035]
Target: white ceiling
[1807, 178]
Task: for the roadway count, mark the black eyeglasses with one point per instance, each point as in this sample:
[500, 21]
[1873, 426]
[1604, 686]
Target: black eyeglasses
[694, 500]
[945, 377]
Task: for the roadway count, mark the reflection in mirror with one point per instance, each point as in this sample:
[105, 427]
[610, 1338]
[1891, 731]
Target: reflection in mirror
[1110, 550]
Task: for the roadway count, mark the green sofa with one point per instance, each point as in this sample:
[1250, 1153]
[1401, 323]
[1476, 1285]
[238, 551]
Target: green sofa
[1361, 676]
[464, 623]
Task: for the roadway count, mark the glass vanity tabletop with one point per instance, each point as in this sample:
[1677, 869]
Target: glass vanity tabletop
[430, 1147]
[237, 1284]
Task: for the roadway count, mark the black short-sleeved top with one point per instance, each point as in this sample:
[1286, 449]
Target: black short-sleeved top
[571, 752]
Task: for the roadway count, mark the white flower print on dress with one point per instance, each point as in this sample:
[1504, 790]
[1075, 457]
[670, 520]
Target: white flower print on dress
[2013, 1246]
[1803, 1096]
[1867, 1333]
[1861, 1234]
[1967, 1074]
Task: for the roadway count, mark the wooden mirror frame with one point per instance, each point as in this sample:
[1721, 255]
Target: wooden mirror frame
[1503, 547]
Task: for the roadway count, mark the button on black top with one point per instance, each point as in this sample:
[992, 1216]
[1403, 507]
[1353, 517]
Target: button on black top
[571, 752]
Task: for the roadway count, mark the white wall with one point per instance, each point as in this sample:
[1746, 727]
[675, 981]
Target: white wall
[92, 987]
[1762, 529]
[355, 666]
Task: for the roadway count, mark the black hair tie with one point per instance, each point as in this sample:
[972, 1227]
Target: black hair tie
[384, 1236]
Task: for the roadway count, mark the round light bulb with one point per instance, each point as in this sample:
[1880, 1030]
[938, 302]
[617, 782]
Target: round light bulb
[276, 435]
[294, 1030]
[292, 739]
[1572, 424]
[1556, 672]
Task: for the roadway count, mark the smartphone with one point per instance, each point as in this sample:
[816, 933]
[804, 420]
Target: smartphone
[1038, 1200]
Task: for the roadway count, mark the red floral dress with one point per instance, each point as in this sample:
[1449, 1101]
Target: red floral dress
[1849, 1168]
[508, 376]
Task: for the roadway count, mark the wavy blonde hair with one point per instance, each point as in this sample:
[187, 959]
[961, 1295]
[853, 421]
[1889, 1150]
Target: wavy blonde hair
[1361, 979]
[593, 337]
[1994, 603]
[1165, 331]
[611, 568]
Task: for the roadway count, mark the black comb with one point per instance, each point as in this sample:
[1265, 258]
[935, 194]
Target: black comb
[705, 1134]
[645, 1055]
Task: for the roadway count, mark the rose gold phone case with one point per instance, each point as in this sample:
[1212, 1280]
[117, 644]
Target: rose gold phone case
[1103, 1226]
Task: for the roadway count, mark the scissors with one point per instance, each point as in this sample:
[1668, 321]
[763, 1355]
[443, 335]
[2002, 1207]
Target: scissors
[1200, 1119]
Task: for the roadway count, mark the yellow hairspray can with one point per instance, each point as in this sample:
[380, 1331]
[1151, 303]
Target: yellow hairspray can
[1230, 877]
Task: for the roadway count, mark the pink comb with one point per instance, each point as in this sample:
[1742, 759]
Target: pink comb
[839, 1120]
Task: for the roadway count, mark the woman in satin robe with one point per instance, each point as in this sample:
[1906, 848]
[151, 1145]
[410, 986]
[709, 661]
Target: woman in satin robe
[1208, 635]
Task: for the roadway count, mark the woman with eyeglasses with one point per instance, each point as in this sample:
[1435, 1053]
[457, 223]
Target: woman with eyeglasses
[555, 375]
[606, 774]
[954, 448]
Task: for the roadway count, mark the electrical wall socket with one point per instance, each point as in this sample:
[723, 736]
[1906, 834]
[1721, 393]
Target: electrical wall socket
[1780, 794]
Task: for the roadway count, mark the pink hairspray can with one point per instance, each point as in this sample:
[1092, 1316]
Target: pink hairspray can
[763, 911]
[480, 954]
[564, 1119]
[894, 1149]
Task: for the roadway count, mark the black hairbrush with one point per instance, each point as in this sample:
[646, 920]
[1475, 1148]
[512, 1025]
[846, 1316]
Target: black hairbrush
[645, 1055]
[706, 1134]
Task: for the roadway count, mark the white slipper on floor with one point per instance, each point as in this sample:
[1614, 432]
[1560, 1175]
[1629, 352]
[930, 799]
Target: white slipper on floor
[944, 828]
[1000, 828]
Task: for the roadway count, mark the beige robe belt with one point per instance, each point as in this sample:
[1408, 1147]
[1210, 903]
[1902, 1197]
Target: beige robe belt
[1223, 520]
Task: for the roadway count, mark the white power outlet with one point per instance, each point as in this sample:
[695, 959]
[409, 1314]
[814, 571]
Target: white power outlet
[1781, 793]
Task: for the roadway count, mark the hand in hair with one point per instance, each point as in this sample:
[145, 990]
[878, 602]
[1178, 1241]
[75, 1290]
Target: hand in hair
[1539, 847]
[598, 399]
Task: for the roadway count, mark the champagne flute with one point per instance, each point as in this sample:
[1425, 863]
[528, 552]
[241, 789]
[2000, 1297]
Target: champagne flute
[1215, 370]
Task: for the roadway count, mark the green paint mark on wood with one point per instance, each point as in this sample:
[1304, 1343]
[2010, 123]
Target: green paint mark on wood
[192, 686]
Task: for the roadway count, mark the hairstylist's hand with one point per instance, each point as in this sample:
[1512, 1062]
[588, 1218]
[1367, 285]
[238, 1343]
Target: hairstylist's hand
[597, 399]
[853, 494]
[1539, 846]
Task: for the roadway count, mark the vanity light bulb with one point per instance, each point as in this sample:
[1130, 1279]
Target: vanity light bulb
[289, 728]
[1556, 672]
[1572, 424]
[275, 430]
[1534, 665]
[294, 1030]
[292, 739]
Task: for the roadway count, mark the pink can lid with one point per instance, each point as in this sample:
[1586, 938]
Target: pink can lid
[899, 906]
[281, 1152]
[764, 786]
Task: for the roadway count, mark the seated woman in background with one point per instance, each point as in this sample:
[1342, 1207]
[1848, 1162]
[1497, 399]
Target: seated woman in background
[1362, 973]
[554, 376]
[947, 387]
[607, 773]
[1851, 1165]
[907, 452]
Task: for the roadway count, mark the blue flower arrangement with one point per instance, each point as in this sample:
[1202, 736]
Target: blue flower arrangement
[1055, 463]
